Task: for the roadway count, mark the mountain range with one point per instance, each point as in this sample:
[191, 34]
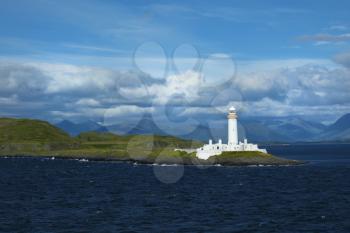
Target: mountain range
[75, 129]
[339, 131]
[263, 129]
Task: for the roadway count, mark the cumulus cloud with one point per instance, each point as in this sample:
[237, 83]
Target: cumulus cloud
[183, 87]
[175, 88]
[320, 86]
[343, 59]
[65, 91]
[58, 89]
[22, 80]
[257, 85]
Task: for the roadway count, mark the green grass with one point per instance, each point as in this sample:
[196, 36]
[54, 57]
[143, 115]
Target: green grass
[251, 157]
[96, 140]
[24, 130]
[34, 137]
[98, 137]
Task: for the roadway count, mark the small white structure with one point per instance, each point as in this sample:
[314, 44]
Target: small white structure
[232, 143]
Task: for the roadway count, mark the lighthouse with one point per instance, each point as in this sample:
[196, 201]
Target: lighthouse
[233, 144]
[232, 127]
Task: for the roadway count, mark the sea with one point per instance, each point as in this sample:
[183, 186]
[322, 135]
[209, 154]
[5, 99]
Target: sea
[44, 195]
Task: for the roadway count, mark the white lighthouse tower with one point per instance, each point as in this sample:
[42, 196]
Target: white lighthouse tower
[232, 127]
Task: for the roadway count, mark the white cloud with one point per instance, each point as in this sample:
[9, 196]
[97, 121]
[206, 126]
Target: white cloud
[257, 85]
[227, 13]
[343, 59]
[320, 43]
[22, 80]
[68, 78]
[268, 65]
[325, 37]
[12, 100]
[265, 87]
[92, 48]
[183, 86]
[88, 102]
[127, 110]
[338, 28]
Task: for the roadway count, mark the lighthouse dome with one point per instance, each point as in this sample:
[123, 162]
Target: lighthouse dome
[232, 109]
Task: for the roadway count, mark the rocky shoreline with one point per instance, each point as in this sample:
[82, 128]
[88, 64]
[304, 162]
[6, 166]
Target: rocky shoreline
[182, 158]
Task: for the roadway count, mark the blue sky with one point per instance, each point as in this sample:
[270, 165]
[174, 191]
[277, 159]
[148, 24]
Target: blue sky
[81, 59]
[243, 29]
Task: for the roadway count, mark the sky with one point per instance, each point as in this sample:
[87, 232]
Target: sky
[178, 61]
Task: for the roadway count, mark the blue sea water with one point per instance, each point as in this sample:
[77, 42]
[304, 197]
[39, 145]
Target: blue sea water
[44, 195]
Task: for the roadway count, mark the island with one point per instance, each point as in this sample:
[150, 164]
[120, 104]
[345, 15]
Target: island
[27, 137]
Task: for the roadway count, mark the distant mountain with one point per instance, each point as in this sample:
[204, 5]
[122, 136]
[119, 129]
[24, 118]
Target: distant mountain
[201, 133]
[287, 129]
[280, 129]
[341, 124]
[75, 129]
[256, 129]
[338, 131]
[144, 126]
[147, 126]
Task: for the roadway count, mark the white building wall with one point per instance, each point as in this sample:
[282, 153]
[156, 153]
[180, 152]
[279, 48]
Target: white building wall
[216, 149]
[232, 131]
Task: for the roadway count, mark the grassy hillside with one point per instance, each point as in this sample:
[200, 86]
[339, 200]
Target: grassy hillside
[34, 137]
[24, 130]
[100, 138]
[134, 146]
[24, 136]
